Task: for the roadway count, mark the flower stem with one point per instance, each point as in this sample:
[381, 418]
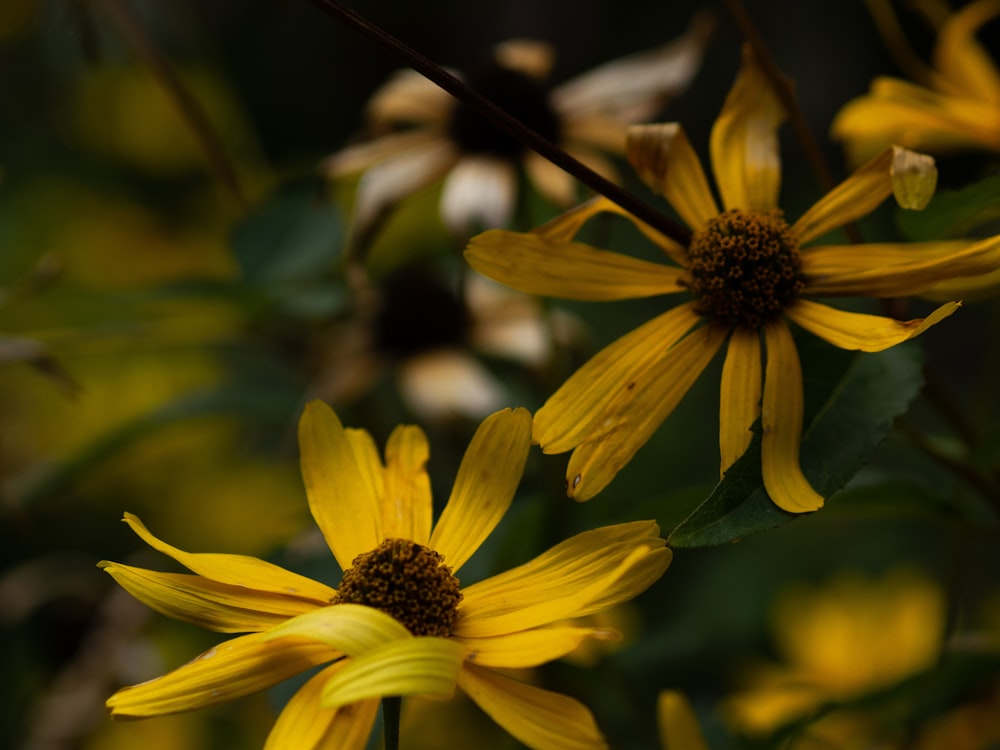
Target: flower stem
[391, 707]
[511, 125]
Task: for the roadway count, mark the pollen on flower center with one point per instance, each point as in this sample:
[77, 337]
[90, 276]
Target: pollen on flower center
[408, 581]
[745, 267]
[518, 94]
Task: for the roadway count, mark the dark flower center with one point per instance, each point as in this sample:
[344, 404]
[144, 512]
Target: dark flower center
[419, 314]
[745, 267]
[407, 581]
[520, 95]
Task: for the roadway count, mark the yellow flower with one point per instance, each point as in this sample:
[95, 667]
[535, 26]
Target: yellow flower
[425, 134]
[747, 272]
[958, 107]
[399, 623]
[848, 638]
[679, 728]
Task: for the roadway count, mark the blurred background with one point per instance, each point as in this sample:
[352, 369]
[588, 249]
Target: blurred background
[172, 291]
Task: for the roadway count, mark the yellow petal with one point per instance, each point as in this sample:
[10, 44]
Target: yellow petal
[636, 412]
[406, 502]
[539, 718]
[350, 628]
[569, 415]
[739, 404]
[371, 472]
[570, 270]
[554, 183]
[961, 59]
[408, 98]
[363, 155]
[679, 728]
[340, 495]
[237, 570]
[233, 669]
[564, 227]
[910, 175]
[867, 333]
[487, 480]
[663, 158]
[530, 648]
[781, 420]
[820, 262]
[926, 272]
[417, 666]
[209, 604]
[589, 572]
[744, 142]
[305, 725]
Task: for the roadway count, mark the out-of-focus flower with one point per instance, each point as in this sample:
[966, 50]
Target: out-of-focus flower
[679, 729]
[415, 326]
[851, 637]
[399, 623]
[747, 270]
[423, 134]
[955, 105]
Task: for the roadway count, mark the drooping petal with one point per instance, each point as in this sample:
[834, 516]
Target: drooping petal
[225, 608]
[233, 669]
[529, 648]
[910, 176]
[663, 158]
[637, 410]
[484, 488]
[349, 628]
[237, 570]
[563, 228]
[679, 728]
[977, 258]
[567, 418]
[479, 193]
[966, 67]
[407, 503]
[584, 574]
[744, 142]
[633, 88]
[305, 725]
[340, 496]
[781, 421]
[867, 333]
[739, 404]
[417, 666]
[539, 718]
[570, 270]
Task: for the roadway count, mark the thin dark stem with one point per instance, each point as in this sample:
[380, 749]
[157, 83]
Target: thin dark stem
[511, 125]
[783, 88]
[391, 709]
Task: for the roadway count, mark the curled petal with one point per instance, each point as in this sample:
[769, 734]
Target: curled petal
[305, 725]
[744, 142]
[910, 176]
[484, 488]
[237, 570]
[350, 628]
[233, 669]
[417, 666]
[663, 158]
[222, 607]
[529, 648]
[781, 420]
[857, 331]
[539, 718]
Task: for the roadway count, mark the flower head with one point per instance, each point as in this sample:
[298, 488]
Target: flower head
[748, 270]
[424, 134]
[954, 106]
[400, 623]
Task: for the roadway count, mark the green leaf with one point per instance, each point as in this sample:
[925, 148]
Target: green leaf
[296, 234]
[854, 399]
[954, 213]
